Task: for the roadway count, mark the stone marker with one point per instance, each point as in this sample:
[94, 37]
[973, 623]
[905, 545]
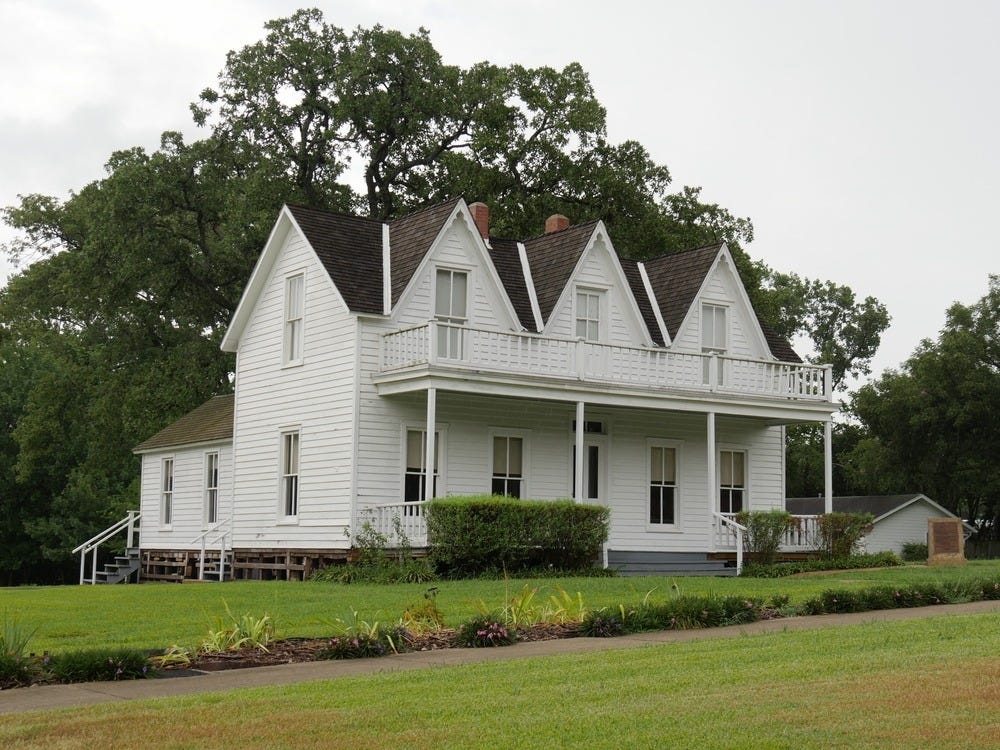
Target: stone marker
[945, 541]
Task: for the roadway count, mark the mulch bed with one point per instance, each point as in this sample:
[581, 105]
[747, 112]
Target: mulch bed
[295, 650]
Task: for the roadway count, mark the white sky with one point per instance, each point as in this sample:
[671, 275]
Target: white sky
[861, 137]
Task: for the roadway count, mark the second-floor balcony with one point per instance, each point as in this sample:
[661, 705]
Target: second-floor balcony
[445, 345]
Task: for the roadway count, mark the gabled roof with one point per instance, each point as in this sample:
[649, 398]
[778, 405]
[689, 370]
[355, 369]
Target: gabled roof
[552, 258]
[410, 237]
[507, 260]
[212, 422]
[350, 249]
[631, 269]
[676, 280]
[879, 506]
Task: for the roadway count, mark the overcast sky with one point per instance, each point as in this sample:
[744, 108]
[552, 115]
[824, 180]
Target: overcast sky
[860, 137]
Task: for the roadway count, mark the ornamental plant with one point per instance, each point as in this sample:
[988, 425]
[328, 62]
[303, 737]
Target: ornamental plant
[765, 529]
[485, 630]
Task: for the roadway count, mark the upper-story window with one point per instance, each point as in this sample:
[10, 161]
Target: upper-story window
[588, 315]
[451, 306]
[714, 328]
[294, 318]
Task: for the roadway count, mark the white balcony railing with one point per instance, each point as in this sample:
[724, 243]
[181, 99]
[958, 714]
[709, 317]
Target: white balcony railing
[444, 344]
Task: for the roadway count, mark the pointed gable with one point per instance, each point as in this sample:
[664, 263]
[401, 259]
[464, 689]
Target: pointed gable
[350, 249]
[676, 280]
[410, 237]
[552, 258]
[506, 259]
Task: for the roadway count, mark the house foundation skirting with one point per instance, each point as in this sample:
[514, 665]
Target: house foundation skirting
[257, 564]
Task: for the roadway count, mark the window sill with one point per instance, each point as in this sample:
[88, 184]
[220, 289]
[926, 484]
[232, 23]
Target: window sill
[288, 521]
[664, 528]
[293, 364]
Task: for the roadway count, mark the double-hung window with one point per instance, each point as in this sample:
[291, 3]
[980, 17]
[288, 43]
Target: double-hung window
[167, 492]
[588, 315]
[508, 461]
[714, 338]
[294, 318]
[732, 481]
[290, 474]
[211, 487]
[663, 493]
[451, 303]
[414, 476]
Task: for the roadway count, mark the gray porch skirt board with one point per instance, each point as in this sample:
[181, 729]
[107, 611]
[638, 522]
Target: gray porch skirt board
[629, 563]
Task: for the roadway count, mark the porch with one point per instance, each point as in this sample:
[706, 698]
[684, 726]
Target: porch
[408, 518]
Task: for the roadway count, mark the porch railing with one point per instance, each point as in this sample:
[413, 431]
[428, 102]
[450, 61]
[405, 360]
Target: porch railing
[394, 518]
[729, 533]
[127, 524]
[801, 536]
[446, 344]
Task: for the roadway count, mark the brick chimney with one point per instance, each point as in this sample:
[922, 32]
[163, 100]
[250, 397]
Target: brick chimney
[556, 223]
[481, 215]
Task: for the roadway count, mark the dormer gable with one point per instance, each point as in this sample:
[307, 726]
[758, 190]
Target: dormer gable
[460, 253]
[596, 301]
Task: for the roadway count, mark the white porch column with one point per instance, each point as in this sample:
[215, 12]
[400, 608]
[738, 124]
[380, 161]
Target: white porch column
[828, 466]
[578, 452]
[712, 489]
[429, 455]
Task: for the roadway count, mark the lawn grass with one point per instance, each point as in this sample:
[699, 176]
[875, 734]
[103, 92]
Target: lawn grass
[924, 683]
[158, 615]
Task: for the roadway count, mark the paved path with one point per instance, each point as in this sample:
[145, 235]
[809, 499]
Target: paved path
[83, 694]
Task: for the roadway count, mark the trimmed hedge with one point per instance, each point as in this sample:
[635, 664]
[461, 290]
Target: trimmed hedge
[475, 535]
[782, 569]
[836, 601]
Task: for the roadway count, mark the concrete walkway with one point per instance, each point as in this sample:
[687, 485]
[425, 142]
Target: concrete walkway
[46, 697]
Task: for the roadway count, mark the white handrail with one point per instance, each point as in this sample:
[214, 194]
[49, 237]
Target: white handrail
[98, 539]
[738, 529]
[203, 538]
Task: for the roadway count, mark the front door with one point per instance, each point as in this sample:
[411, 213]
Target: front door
[595, 469]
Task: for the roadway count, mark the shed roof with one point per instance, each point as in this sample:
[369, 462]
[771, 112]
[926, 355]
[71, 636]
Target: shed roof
[209, 423]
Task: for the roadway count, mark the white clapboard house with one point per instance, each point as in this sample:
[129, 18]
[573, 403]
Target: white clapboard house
[381, 363]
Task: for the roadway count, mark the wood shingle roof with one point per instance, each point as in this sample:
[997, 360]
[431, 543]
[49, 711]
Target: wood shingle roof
[210, 423]
[552, 258]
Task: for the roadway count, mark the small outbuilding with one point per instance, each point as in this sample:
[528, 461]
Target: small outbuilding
[898, 518]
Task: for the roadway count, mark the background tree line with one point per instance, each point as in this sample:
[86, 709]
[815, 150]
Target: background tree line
[111, 330]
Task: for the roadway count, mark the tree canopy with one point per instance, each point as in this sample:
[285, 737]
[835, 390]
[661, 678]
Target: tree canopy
[112, 332]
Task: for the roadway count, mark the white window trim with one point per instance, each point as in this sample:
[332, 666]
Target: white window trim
[677, 526]
[602, 311]
[440, 447]
[164, 523]
[282, 517]
[469, 286]
[287, 360]
[525, 436]
[736, 448]
[727, 311]
[218, 479]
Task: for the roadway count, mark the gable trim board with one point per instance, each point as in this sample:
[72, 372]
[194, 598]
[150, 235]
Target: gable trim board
[349, 408]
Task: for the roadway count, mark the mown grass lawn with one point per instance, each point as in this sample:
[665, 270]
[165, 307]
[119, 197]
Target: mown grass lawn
[158, 615]
[932, 683]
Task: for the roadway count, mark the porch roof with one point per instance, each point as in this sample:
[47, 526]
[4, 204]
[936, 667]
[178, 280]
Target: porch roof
[212, 422]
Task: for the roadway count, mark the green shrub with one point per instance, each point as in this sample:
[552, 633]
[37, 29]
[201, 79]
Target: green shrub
[485, 630]
[375, 563]
[765, 530]
[841, 533]
[602, 624]
[367, 642]
[16, 665]
[896, 597]
[472, 535]
[680, 613]
[99, 664]
[781, 569]
[915, 551]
